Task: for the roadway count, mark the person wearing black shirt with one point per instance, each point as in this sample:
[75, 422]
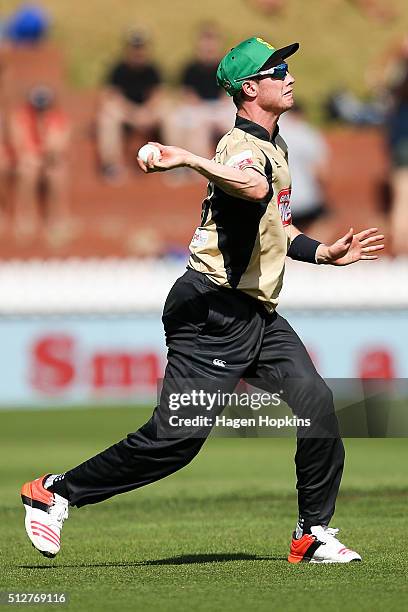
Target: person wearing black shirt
[202, 114]
[198, 77]
[129, 104]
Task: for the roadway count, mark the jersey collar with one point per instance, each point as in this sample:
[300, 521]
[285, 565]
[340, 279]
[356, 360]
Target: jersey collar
[255, 129]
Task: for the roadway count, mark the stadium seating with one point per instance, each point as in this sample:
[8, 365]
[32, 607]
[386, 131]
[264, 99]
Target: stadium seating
[112, 219]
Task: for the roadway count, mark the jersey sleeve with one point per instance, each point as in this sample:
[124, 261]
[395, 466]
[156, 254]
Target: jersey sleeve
[244, 155]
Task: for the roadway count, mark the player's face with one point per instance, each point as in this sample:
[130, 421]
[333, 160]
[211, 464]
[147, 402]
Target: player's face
[276, 95]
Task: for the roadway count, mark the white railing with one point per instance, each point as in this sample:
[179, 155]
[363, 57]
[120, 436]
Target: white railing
[129, 285]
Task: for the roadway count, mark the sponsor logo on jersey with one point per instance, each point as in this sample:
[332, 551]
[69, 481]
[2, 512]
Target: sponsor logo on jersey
[284, 206]
[200, 238]
[241, 160]
[219, 362]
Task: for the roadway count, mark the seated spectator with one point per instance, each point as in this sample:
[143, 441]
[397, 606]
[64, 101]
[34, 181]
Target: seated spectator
[39, 134]
[308, 163]
[203, 111]
[343, 105]
[396, 81]
[4, 156]
[4, 170]
[129, 104]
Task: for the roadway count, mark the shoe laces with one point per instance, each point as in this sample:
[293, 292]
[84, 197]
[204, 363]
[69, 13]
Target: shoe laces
[326, 534]
[58, 512]
[332, 531]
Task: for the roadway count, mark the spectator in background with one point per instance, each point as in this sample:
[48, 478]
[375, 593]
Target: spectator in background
[4, 157]
[4, 171]
[396, 79]
[203, 111]
[309, 164]
[39, 134]
[343, 105]
[130, 103]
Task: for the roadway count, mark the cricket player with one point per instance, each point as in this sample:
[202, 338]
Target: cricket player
[221, 322]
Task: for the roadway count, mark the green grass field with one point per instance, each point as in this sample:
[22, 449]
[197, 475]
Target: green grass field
[212, 537]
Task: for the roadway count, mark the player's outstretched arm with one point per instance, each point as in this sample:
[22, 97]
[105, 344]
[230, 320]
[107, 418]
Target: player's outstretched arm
[351, 248]
[346, 250]
[247, 184]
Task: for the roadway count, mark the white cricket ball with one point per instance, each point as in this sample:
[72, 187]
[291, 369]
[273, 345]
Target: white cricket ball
[147, 150]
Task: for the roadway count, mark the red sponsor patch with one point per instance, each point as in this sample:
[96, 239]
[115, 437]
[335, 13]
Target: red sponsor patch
[244, 163]
[241, 160]
[284, 206]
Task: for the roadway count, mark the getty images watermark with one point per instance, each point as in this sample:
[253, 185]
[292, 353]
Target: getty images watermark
[300, 407]
[195, 408]
[209, 401]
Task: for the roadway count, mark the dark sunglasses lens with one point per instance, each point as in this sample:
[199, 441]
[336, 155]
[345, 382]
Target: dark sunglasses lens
[280, 71]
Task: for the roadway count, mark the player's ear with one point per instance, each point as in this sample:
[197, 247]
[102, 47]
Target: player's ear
[250, 88]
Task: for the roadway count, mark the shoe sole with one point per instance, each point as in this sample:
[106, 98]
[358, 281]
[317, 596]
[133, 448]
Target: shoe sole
[44, 553]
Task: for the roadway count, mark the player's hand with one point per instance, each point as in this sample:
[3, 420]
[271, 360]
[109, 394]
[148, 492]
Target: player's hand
[351, 248]
[170, 157]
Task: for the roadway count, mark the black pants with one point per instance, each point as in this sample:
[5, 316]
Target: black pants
[204, 323]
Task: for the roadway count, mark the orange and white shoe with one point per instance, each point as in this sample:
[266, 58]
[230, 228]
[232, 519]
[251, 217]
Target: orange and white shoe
[45, 515]
[321, 546]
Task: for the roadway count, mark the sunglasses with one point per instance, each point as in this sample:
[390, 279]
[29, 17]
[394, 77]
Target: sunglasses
[278, 72]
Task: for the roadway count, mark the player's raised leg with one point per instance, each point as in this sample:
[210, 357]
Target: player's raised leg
[148, 455]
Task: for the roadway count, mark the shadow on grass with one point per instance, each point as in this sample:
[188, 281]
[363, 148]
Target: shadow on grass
[209, 558]
[179, 560]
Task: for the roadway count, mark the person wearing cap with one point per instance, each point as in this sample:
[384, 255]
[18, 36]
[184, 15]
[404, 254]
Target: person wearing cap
[129, 105]
[221, 322]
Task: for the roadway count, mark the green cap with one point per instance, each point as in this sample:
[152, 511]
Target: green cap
[248, 58]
